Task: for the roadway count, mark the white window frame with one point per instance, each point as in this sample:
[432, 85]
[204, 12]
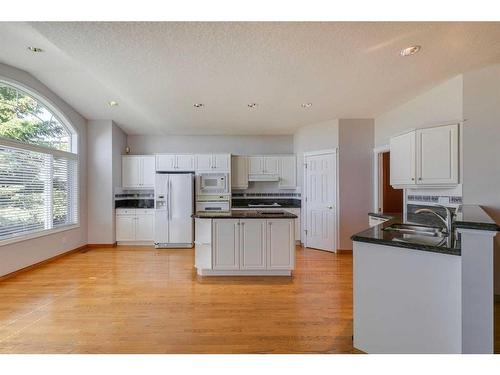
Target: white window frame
[73, 155]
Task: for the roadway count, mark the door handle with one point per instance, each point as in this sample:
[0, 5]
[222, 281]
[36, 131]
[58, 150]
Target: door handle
[329, 207]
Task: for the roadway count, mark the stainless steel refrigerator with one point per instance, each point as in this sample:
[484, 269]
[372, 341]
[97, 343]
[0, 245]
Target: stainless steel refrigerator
[173, 210]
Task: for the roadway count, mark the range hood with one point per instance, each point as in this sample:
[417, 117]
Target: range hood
[263, 177]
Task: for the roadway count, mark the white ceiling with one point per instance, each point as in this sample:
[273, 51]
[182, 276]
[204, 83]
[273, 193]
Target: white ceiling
[156, 71]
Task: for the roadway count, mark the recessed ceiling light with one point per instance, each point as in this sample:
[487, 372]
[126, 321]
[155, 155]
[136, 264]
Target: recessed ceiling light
[252, 105]
[35, 49]
[112, 103]
[198, 105]
[306, 105]
[408, 51]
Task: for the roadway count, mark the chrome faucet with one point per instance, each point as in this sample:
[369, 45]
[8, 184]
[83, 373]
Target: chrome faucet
[448, 220]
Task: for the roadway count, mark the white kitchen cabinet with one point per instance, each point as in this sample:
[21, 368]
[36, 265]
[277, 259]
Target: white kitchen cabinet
[203, 162]
[288, 172]
[174, 162]
[165, 162]
[252, 244]
[226, 238]
[403, 159]
[437, 155]
[185, 162]
[213, 163]
[255, 164]
[271, 165]
[134, 225]
[425, 157]
[295, 211]
[138, 171]
[239, 172]
[280, 244]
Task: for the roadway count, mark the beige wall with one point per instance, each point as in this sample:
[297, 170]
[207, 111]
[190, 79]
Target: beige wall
[441, 104]
[481, 146]
[355, 177]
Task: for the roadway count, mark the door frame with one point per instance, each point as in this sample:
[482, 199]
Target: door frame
[377, 155]
[330, 151]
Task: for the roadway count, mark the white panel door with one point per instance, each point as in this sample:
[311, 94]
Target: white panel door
[125, 227]
[288, 172]
[180, 208]
[271, 165]
[185, 163]
[131, 171]
[437, 155]
[239, 172]
[144, 227]
[203, 162]
[252, 244]
[165, 162]
[225, 244]
[255, 165]
[320, 186]
[148, 171]
[403, 159]
[221, 162]
[280, 244]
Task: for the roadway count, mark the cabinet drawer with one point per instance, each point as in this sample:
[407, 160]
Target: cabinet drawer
[144, 211]
[125, 211]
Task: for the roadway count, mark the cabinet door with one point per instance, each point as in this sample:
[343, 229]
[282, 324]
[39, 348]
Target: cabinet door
[226, 254]
[203, 162]
[221, 162]
[144, 227]
[148, 171]
[288, 173]
[280, 244]
[403, 159]
[255, 165]
[185, 163]
[295, 211]
[271, 165]
[125, 227]
[131, 171]
[437, 155]
[165, 162]
[239, 172]
[252, 244]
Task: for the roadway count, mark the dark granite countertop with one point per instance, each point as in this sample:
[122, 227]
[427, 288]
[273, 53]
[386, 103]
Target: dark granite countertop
[282, 202]
[250, 214]
[386, 215]
[474, 217]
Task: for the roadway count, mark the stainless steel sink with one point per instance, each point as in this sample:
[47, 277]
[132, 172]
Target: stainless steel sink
[418, 230]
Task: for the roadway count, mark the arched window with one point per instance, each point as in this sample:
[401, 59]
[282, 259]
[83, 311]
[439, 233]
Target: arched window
[38, 167]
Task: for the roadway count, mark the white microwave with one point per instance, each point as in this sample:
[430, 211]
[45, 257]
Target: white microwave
[213, 183]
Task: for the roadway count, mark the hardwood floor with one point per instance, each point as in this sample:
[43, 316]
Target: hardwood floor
[142, 300]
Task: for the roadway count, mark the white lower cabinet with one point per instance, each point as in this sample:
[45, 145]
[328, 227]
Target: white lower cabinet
[125, 227]
[134, 225]
[280, 244]
[253, 244]
[226, 255]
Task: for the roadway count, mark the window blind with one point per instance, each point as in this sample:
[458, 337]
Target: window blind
[38, 191]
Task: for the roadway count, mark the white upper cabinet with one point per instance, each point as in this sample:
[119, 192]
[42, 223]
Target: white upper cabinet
[437, 155]
[271, 165]
[174, 162]
[213, 163]
[425, 157]
[403, 159]
[264, 165]
[138, 171]
[255, 164]
[239, 172]
[288, 172]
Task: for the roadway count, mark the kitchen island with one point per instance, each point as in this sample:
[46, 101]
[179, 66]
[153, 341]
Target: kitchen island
[245, 243]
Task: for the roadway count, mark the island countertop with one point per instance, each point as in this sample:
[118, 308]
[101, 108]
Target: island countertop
[246, 214]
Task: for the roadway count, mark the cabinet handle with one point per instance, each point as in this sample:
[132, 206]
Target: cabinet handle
[420, 178]
[413, 179]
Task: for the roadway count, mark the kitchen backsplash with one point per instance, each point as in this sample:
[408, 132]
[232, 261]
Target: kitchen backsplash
[438, 199]
[266, 195]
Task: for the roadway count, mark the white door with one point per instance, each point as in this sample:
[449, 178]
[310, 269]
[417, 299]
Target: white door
[271, 165]
[226, 238]
[320, 190]
[255, 164]
[203, 162]
[288, 172]
[437, 155]
[221, 162]
[125, 227]
[252, 244]
[403, 159]
[131, 171]
[148, 171]
[280, 244]
[165, 162]
[239, 172]
[180, 208]
[185, 163]
[144, 227]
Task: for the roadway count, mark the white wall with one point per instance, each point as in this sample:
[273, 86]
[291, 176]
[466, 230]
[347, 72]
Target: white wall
[106, 142]
[481, 146]
[442, 103]
[238, 144]
[355, 177]
[22, 254]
